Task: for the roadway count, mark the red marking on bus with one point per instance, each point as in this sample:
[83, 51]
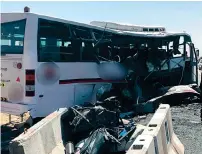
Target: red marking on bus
[18, 79]
[95, 80]
[30, 77]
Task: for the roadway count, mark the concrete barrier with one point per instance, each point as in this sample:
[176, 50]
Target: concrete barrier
[144, 144]
[42, 138]
[46, 136]
[160, 128]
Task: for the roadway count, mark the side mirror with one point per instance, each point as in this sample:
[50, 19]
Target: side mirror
[196, 50]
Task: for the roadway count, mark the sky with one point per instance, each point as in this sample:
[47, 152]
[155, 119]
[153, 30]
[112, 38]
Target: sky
[175, 16]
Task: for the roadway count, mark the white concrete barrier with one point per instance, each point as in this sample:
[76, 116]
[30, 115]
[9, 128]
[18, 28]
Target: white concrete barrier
[45, 137]
[42, 138]
[144, 144]
[161, 130]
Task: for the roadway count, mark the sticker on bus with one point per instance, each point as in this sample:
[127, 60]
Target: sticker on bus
[2, 84]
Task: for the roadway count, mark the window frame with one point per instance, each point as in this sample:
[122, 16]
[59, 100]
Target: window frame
[69, 39]
[24, 21]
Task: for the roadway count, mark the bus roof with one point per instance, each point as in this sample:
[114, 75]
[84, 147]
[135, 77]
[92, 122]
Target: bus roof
[5, 17]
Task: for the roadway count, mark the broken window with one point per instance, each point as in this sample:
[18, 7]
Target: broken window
[151, 29]
[145, 29]
[81, 32]
[88, 52]
[95, 44]
[188, 51]
[170, 45]
[176, 46]
[102, 35]
[55, 42]
[180, 47]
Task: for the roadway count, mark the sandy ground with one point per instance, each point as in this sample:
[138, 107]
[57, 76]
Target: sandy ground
[14, 119]
[10, 130]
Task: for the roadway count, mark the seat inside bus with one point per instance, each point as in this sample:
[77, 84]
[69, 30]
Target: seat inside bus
[66, 53]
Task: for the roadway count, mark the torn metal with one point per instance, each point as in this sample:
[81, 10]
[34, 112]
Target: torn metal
[95, 129]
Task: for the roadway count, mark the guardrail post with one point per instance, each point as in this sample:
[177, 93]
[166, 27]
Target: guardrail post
[9, 118]
[21, 117]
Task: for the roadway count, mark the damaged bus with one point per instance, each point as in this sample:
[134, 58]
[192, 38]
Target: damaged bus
[48, 63]
[158, 62]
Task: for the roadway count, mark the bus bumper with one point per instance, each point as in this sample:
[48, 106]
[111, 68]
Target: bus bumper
[15, 108]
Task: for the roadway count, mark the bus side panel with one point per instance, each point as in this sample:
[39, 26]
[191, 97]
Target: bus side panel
[12, 79]
[73, 86]
[52, 97]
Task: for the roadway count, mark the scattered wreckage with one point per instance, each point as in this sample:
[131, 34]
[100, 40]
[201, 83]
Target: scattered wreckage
[96, 129]
[103, 125]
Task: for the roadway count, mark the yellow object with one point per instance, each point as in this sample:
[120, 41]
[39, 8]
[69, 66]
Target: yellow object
[2, 84]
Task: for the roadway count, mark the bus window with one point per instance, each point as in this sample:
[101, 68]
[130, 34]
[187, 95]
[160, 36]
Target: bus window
[176, 45]
[54, 42]
[12, 37]
[59, 43]
[88, 52]
[151, 29]
[170, 45]
[101, 35]
[181, 46]
[81, 32]
[188, 50]
[18, 43]
[42, 41]
[83, 44]
[145, 29]
[66, 44]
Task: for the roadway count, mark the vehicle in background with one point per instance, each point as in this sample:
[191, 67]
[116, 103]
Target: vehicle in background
[200, 63]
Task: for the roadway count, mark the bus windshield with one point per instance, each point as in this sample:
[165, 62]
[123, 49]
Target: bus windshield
[12, 37]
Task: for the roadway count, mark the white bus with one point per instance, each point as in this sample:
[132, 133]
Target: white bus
[41, 65]
[48, 63]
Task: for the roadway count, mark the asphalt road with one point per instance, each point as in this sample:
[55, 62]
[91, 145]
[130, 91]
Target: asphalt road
[199, 77]
[188, 127]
